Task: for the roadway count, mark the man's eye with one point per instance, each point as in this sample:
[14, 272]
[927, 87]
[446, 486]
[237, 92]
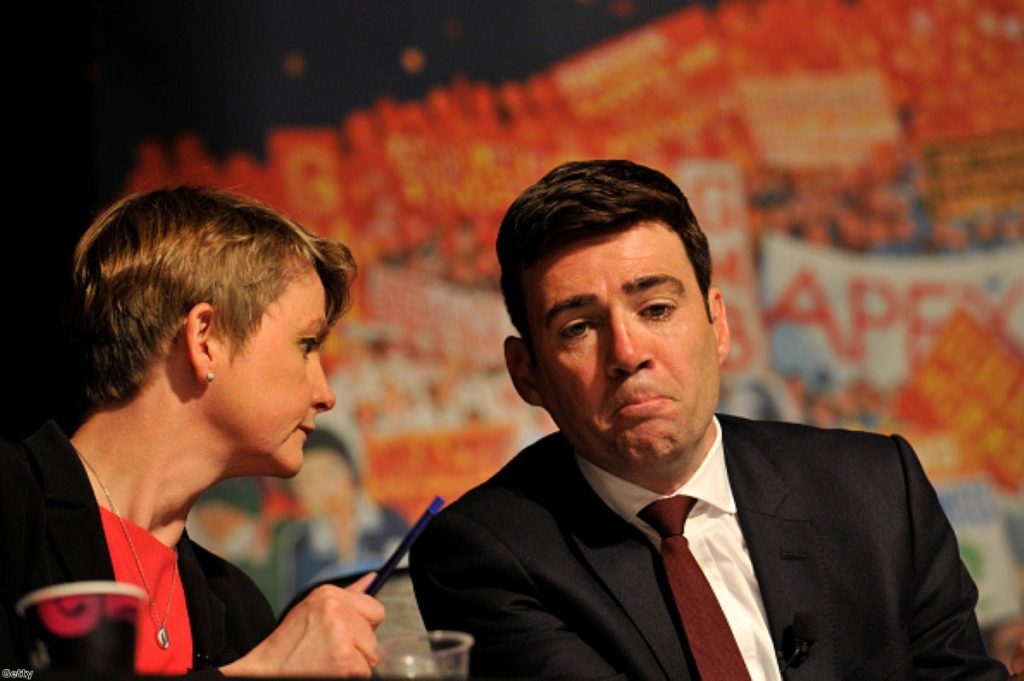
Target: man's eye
[309, 345]
[659, 311]
[575, 330]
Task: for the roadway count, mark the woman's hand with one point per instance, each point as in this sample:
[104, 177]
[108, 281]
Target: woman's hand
[1017, 663]
[329, 633]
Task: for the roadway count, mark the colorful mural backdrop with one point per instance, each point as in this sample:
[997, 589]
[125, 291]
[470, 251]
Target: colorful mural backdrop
[857, 165]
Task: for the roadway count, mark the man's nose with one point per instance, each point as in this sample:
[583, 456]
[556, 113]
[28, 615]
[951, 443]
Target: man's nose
[627, 350]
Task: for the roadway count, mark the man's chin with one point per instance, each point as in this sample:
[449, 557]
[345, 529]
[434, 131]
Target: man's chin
[650, 438]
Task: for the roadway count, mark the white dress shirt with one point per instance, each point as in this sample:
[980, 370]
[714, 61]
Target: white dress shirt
[716, 543]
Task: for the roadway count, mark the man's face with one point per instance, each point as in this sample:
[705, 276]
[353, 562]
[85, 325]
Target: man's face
[626, 360]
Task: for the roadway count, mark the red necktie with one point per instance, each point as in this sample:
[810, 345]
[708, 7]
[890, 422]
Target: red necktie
[707, 631]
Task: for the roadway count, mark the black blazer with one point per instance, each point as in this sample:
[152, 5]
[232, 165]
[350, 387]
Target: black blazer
[51, 532]
[841, 525]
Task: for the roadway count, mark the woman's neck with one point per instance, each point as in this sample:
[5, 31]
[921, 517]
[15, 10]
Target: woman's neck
[141, 471]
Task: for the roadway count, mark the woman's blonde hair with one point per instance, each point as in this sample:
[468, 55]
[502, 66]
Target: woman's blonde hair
[150, 258]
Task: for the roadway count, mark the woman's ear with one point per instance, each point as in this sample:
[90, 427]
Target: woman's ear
[204, 346]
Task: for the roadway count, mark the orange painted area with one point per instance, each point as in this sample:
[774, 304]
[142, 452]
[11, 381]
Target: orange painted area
[407, 471]
[972, 386]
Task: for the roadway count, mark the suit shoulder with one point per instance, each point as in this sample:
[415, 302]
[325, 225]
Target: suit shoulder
[534, 468]
[818, 451]
[522, 493]
[13, 457]
[13, 453]
[17, 475]
[770, 432]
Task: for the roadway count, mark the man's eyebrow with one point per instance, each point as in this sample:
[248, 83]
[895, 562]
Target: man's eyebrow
[568, 304]
[652, 281]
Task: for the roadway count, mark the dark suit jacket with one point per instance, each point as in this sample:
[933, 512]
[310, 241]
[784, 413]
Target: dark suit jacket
[841, 525]
[50, 532]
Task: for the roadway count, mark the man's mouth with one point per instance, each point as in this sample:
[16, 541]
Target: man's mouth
[640, 406]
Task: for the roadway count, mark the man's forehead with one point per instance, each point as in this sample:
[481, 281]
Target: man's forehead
[546, 300]
[630, 260]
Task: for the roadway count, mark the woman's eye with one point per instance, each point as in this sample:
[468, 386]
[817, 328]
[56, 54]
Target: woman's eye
[309, 345]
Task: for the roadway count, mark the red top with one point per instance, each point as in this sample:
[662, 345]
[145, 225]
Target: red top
[158, 562]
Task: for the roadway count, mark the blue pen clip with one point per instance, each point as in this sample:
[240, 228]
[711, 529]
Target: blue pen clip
[396, 557]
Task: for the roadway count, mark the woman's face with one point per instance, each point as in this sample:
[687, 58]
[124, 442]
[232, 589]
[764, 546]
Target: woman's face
[269, 392]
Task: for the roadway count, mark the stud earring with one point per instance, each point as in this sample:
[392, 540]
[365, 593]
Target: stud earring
[210, 376]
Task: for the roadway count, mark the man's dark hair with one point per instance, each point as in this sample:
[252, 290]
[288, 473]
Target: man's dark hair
[582, 199]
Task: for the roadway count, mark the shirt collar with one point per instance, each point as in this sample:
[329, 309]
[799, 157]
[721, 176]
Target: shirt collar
[709, 484]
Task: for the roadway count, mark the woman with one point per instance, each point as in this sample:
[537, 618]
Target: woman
[200, 316]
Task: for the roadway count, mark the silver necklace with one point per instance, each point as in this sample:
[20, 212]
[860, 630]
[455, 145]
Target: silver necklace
[162, 639]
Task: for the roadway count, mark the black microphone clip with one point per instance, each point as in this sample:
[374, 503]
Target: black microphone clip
[797, 640]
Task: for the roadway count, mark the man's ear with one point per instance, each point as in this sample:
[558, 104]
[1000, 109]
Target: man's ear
[205, 349]
[720, 323]
[520, 365]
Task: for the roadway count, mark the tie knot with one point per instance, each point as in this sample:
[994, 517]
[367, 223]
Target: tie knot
[668, 516]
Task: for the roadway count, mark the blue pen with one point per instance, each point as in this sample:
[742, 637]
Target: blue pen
[395, 558]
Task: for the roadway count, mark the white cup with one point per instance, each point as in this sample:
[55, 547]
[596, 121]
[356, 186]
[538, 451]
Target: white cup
[433, 655]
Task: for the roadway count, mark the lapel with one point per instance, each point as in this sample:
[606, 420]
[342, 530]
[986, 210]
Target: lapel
[785, 549]
[74, 528]
[629, 569]
[206, 612]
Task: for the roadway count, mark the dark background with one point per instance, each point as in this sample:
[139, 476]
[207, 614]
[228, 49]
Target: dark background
[90, 80]
[51, 161]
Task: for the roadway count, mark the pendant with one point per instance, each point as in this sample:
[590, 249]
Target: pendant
[162, 638]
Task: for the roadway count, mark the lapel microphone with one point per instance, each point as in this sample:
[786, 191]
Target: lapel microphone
[797, 640]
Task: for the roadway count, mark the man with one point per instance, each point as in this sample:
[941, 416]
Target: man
[827, 551]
